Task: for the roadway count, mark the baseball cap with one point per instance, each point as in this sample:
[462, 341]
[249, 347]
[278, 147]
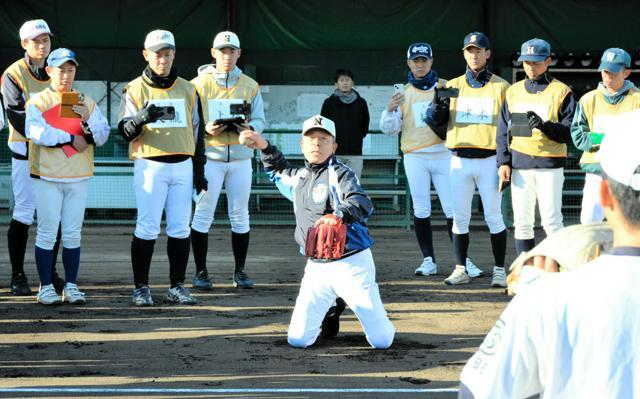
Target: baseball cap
[417, 50]
[619, 157]
[476, 39]
[614, 60]
[158, 39]
[535, 50]
[34, 28]
[319, 122]
[226, 39]
[60, 56]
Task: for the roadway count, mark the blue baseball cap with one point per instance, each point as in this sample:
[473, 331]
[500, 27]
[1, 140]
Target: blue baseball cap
[535, 50]
[614, 60]
[417, 50]
[476, 39]
[60, 56]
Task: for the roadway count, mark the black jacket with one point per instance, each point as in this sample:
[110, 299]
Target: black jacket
[352, 123]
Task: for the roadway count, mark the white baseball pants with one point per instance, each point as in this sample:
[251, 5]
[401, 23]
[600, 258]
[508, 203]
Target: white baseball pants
[421, 169]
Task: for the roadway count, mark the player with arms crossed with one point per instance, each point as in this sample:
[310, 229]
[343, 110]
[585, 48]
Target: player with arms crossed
[326, 194]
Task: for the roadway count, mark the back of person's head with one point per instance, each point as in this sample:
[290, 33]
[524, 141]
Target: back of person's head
[342, 72]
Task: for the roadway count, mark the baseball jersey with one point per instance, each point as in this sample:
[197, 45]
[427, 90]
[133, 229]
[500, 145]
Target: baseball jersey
[416, 134]
[566, 335]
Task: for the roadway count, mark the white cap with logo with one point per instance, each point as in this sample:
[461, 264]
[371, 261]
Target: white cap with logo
[226, 39]
[319, 122]
[620, 158]
[158, 39]
[34, 28]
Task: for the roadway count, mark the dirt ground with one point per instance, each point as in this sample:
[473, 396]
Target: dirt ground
[236, 339]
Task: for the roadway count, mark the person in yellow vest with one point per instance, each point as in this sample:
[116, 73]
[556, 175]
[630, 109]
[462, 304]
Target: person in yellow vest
[533, 157]
[471, 120]
[608, 108]
[221, 87]
[426, 159]
[20, 81]
[61, 164]
[161, 118]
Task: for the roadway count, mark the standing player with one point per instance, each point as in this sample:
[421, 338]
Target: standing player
[426, 159]
[61, 163]
[228, 162]
[471, 121]
[162, 120]
[324, 191]
[534, 163]
[575, 334]
[20, 81]
[598, 112]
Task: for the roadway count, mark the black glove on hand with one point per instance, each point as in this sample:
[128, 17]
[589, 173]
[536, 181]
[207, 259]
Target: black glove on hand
[148, 114]
[200, 182]
[535, 122]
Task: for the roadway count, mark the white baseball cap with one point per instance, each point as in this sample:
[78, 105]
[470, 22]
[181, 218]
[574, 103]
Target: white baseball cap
[159, 39]
[620, 158]
[319, 122]
[226, 39]
[34, 28]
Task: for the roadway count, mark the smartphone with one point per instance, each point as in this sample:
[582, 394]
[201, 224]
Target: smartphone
[168, 113]
[398, 88]
[448, 92]
[67, 101]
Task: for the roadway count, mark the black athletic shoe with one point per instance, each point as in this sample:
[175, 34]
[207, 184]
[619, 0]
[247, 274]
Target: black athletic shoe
[58, 283]
[331, 323]
[20, 285]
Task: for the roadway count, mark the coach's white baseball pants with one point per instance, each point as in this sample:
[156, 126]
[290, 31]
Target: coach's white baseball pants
[421, 169]
[352, 279]
[236, 177]
[24, 203]
[545, 185]
[466, 175]
[60, 204]
[162, 186]
[591, 210]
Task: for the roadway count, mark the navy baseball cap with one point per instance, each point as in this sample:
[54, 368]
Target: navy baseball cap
[535, 50]
[476, 39]
[60, 56]
[417, 50]
[614, 60]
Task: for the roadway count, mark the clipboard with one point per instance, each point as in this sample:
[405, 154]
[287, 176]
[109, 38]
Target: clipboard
[520, 125]
[67, 101]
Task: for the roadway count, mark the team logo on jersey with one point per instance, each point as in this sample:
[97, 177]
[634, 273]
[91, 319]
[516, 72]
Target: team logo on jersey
[492, 340]
[531, 50]
[320, 192]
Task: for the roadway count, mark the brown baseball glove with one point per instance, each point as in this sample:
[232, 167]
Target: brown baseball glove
[327, 238]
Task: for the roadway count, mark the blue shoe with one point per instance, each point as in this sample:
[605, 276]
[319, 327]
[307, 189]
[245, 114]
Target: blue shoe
[179, 294]
[201, 281]
[242, 280]
[142, 296]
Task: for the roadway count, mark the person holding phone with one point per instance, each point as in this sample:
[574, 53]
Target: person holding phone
[535, 163]
[162, 120]
[228, 163]
[61, 164]
[469, 116]
[426, 159]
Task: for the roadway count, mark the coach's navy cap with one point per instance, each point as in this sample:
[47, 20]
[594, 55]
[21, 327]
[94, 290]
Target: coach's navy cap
[535, 50]
[614, 60]
[476, 39]
[60, 56]
[417, 50]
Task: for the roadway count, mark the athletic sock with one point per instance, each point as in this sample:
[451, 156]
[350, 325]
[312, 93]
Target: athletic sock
[43, 264]
[17, 236]
[71, 262]
[240, 246]
[499, 247]
[524, 245]
[424, 236]
[200, 246]
[461, 247]
[178, 252]
[450, 229]
[141, 254]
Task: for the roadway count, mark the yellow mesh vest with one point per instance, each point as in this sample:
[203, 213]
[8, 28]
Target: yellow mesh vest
[245, 89]
[416, 134]
[52, 161]
[473, 116]
[601, 116]
[162, 138]
[546, 104]
[29, 85]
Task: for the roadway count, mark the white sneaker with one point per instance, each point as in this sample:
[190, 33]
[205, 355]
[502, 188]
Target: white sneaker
[499, 277]
[459, 276]
[72, 294]
[472, 270]
[47, 295]
[427, 268]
